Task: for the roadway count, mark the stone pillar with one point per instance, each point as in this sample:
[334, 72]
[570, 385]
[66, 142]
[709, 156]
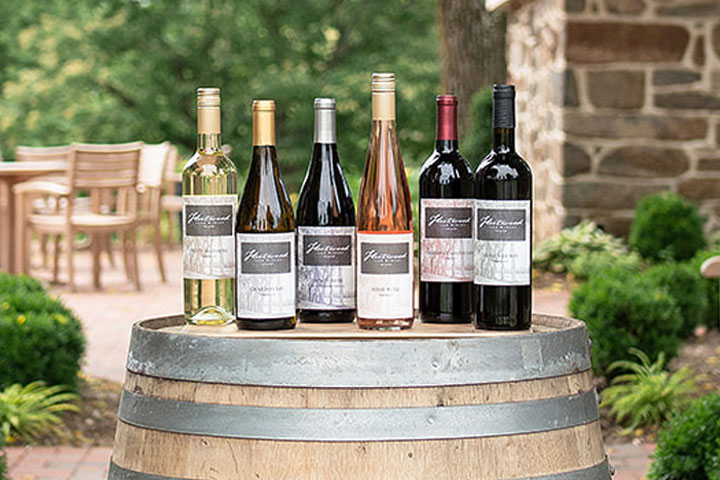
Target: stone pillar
[617, 99]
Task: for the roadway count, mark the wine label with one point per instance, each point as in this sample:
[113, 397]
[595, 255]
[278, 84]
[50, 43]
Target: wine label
[446, 239]
[502, 242]
[265, 275]
[208, 236]
[326, 268]
[385, 275]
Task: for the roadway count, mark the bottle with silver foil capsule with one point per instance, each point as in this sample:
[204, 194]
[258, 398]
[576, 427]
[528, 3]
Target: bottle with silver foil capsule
[265, 235]
[209, 186]
[503, 226]
[325, 230]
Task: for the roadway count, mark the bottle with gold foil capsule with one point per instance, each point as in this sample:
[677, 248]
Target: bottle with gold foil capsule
[265, 235]
[385, 246]
[209, 186]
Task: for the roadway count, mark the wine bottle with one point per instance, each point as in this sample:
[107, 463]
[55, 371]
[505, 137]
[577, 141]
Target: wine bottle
[209, 192]
[446, 213]
[503, 226]
[384, 227]
[265, 234]
[326, 230]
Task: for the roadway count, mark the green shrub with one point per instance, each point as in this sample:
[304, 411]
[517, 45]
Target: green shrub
[685, 284]
[588, 264]
[626, 310]
[690, 448]
[478, 140]
[40, 339]
[647, 394]
[710, 286]
[667, 227]
[3, 460]
[31, 411]
[557, 253]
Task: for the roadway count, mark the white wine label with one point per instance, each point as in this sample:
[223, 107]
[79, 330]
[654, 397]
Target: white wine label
[208, 236]
[326, 268]
[385, 275]
[446, 239]
[502, 242]
[265, 275]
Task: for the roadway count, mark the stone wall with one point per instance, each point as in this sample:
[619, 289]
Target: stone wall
[637, 86]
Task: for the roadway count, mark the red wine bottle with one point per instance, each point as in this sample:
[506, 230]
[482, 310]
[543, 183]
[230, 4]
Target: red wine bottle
[446, 213]
[325, 230]
[503, 226]
[384, 227]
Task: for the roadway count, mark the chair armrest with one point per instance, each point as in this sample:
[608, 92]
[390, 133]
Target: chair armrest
[41, 187]
[711, 268]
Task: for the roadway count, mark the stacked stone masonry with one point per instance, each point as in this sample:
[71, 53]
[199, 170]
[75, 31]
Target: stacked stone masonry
[617, 99]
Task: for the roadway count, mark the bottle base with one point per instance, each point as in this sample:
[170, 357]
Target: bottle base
[427, 317]
[273, 324]
[210, 316]
[326, 316]
[508, 326]
[385, 324]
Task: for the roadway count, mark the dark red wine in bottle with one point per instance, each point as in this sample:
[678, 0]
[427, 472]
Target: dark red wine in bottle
[325, 230]
[503, 226]
[446, 226]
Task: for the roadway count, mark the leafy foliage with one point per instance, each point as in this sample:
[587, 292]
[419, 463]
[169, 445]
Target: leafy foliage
[588, 264]
[40, 338]
[648, 394]
[709, 285]
[479, 139]
[667, 227]
[557, 253]
[690, 448]
[626, 310]
[685, 284]
[32, 410]
[3, 460]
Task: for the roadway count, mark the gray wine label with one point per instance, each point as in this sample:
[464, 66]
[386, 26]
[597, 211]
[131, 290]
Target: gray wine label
[208, 220]
[262, 258]
[385, 258]
[208, 238]
[502, 242]
[326, 268]
[448, 222]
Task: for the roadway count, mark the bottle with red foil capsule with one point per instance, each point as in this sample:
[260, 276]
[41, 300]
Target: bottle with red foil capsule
[446, 227]
[385, 247]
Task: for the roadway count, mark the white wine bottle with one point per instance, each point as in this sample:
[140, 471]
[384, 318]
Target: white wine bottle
[209, 183]
[265, 234]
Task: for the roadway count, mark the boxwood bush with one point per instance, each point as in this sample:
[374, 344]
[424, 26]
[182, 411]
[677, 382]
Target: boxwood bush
[690, 448]
[667, 227]
[40, 339]
[684, 283]
[623, 310]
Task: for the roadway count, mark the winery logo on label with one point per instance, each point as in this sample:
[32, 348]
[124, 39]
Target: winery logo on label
[448, 222]
[265, 257]
[208, 220]
[385, 258]
[501, 224]
[327, 250]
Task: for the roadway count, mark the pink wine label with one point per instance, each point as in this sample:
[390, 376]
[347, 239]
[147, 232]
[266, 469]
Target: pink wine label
[502, 242]
[326, 268]
[265, 275]
[385, 275]
[446, 243]
[208, 236]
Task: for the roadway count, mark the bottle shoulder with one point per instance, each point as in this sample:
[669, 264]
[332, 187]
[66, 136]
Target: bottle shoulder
[209, 164]
[503, 165]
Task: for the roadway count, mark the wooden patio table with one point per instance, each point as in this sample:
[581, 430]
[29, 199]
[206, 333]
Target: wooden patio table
[12, 173]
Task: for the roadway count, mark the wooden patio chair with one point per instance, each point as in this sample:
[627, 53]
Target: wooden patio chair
[171, 200]
[153, 162]
[102, 171]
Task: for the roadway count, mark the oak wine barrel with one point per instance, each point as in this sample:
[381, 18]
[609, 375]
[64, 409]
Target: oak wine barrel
[333, 401]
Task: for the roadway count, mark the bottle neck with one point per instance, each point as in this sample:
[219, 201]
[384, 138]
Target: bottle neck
[325, 131]
[209, 129]
[503, 139]
[503, 122]
[383, 106]
[446, 139]
[263, 128]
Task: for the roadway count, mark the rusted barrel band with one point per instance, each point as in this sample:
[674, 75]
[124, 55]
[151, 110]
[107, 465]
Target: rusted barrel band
[600, 471]
[358, 424]
[343, 363]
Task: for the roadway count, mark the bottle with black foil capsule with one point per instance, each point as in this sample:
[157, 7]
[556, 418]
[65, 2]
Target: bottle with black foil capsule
[265, 235]
[503, 226]
[209, 193]
[325, 230]
[446, 226]
[385, 243]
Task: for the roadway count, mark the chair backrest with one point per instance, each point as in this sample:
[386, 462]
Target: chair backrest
[153, 161]
[95, 166]
[37, 154]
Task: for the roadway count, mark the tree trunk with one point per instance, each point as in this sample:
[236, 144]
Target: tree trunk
[472, 51]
